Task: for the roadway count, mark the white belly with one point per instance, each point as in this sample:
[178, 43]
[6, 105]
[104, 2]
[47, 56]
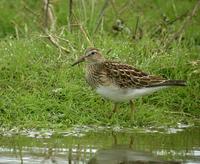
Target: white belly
[119, 95]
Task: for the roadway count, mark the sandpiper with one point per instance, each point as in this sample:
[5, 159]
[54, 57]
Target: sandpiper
[120, 82]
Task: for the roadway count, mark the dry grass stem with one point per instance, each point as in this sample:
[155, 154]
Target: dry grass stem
[101, 14]
[55, 43]
[70, 14]
[83, 31]
[184, 25]
[49, 18]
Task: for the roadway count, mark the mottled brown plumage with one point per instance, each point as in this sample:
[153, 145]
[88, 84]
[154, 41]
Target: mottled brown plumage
[124, 76]
[120, 82]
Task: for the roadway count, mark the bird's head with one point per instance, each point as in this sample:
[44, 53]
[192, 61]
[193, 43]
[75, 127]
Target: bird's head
[91, 56]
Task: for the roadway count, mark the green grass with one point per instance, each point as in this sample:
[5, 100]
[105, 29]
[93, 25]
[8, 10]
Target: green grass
[40, 89]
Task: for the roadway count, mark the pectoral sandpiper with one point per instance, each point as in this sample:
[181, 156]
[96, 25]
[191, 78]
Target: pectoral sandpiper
[120, 82]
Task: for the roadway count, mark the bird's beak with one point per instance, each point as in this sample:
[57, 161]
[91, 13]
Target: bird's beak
[81, 59]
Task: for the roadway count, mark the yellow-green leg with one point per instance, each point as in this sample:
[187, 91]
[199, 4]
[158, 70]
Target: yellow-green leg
[132, 108]
[114, 109]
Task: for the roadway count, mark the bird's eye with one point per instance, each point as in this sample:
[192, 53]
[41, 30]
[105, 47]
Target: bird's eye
[92, 53]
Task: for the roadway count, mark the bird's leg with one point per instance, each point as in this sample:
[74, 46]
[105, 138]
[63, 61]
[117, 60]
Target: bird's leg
[114, 109]
[132, 107]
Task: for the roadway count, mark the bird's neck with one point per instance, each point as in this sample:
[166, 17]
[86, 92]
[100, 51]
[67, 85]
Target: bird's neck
[92, 74]
[94, 66]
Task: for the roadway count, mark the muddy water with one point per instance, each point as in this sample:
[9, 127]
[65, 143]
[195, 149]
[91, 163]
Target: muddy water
[98, 145]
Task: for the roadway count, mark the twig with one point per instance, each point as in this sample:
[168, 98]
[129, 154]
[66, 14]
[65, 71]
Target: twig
[101, 14]
[49, 18]
[49, 21]
[46, 8]
[114, 7]
[136, 25]
[62, 38]
[67, 41]
[16, 29]
[30, 10]
[185, 23]
[169, 23]
[38, 24]
[177, 18]
[55, 43]
[124, 7]
[136, 28]
[180, 113]
[17, 32]
[83, 31]
[70, 14]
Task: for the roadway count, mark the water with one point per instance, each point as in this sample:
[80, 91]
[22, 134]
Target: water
[98, 145]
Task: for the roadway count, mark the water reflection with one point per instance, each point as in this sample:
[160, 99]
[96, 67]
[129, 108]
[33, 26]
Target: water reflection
[103, 146]
[125, 154]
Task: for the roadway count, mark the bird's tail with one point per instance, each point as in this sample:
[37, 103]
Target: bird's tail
[170, 83]
[175, 83]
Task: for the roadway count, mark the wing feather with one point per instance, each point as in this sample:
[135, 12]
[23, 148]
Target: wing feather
[126, 76]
